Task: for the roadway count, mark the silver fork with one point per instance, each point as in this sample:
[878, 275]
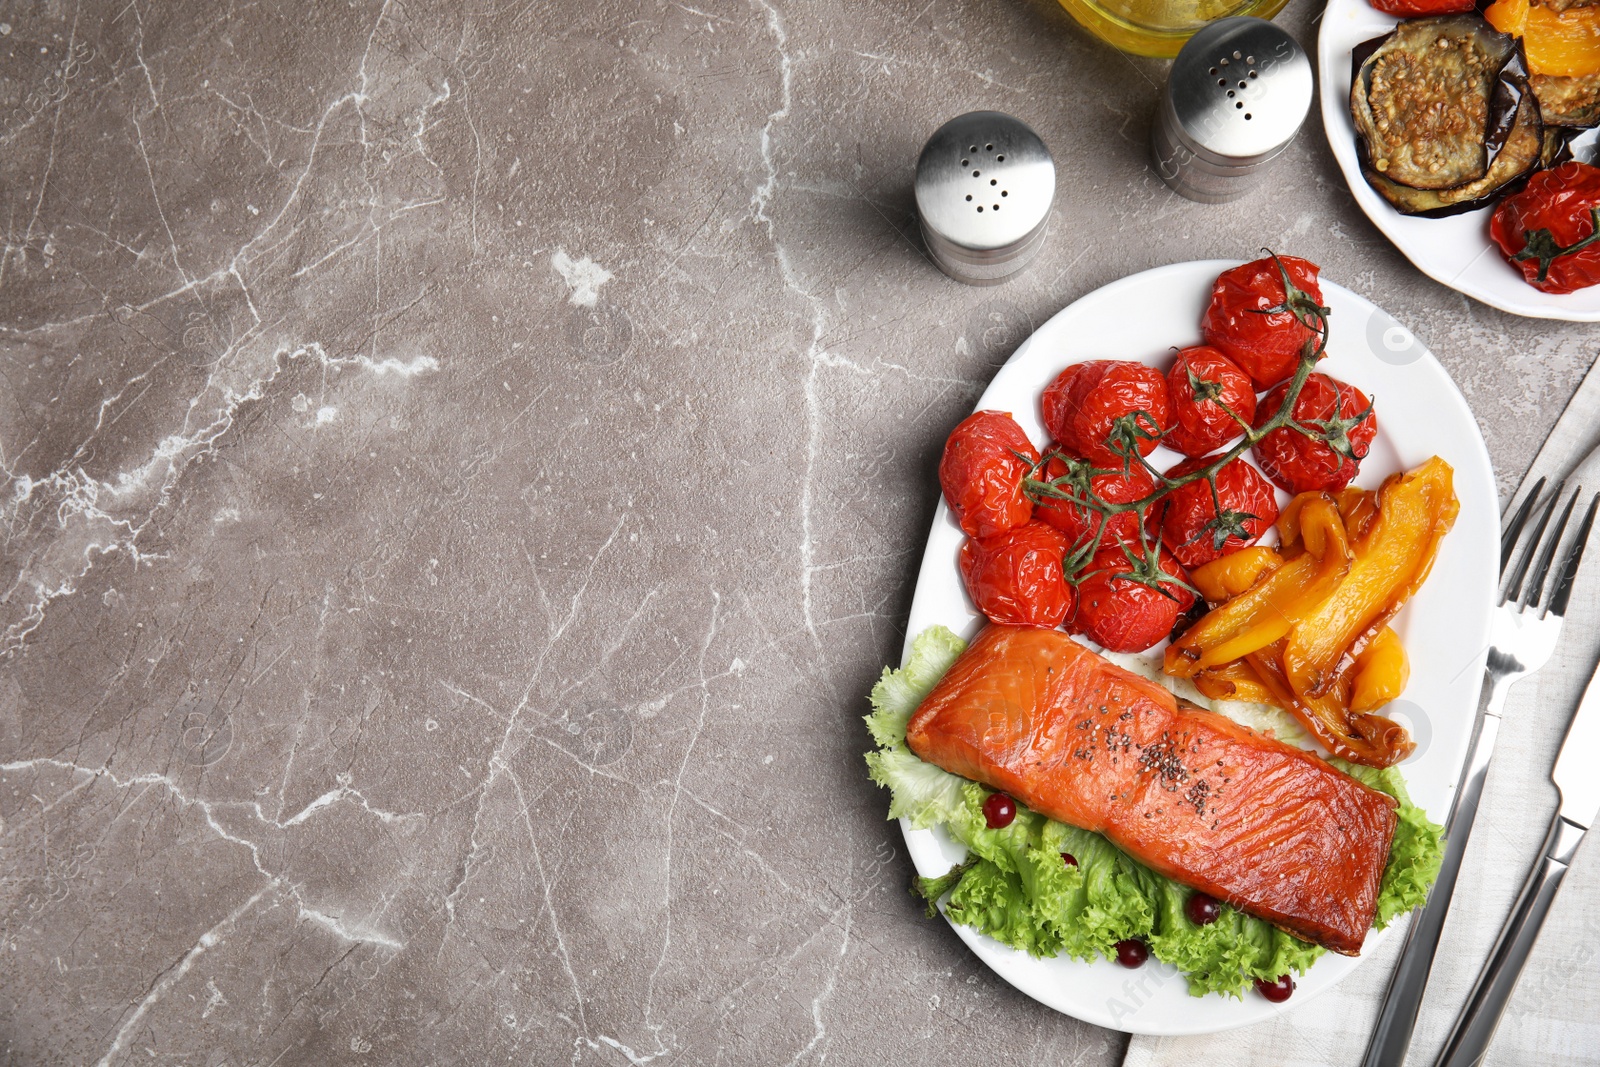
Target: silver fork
[1522, 635]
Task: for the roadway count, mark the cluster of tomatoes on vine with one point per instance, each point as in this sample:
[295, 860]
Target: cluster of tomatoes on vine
[1088, 534]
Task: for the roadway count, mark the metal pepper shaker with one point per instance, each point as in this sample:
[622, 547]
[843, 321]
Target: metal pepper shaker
[1236, 96]
[985, 183]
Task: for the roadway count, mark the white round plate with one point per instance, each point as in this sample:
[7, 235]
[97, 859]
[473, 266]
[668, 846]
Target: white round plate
[1454, 251]
[1445, 627]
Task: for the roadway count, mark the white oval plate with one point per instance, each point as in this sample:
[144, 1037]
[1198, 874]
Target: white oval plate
[1445, 627]
[1454, 251]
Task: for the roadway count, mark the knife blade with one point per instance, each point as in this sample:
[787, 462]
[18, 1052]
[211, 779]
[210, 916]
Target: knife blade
[1576, 773]
[1577, 769]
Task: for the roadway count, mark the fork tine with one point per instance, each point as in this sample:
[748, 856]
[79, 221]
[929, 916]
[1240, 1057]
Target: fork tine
[1569, 566]
[1547, 551]
[1508, 539]
[1514, 584]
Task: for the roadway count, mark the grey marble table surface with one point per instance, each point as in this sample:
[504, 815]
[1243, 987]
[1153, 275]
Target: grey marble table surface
[463, 465]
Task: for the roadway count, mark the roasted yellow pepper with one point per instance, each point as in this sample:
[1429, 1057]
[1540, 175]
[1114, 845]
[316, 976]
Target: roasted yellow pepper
[1559, 43]
[1415, 510]
[1234, 681]
[1227, 576]
[1310, 633]
[1381, 671]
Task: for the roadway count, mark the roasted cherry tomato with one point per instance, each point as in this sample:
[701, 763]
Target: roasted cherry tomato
[985, 460]
[1091, 404]
[1190, 524]
[1551, 230]
[1407, 9]
[1265, 344]
[1301, 464]
[1016, 577]
[1200, 382]
[1123, 613]
[1080, 523]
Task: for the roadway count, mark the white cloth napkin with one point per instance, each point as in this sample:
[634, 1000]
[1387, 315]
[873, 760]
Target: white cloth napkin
[1554, 1017]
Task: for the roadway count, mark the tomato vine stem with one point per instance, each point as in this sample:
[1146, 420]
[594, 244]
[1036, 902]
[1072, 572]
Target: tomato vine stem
[1543, 246]
[1075, 488]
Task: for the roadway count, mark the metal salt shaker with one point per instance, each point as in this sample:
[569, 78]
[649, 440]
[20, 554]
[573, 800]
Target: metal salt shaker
[1237, 94]
[985, 183]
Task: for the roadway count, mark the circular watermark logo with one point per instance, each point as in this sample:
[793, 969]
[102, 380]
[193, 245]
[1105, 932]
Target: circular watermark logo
[1390, 341]
[994, 329]
[602, 334]
[1414, 717]
[205, 735]
[597, 734]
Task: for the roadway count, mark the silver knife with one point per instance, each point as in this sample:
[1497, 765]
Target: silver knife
[1576, 777]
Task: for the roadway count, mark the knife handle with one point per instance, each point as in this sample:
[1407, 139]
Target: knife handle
[1397, 1018]
[1474, 1029]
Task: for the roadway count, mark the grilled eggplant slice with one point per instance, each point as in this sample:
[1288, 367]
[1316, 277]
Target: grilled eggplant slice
[1557, 149]
[1444, 115]
[1573, 102]
[1517, 158]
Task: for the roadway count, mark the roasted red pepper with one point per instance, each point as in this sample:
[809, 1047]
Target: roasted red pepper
[1407, 9]
[1551, 230]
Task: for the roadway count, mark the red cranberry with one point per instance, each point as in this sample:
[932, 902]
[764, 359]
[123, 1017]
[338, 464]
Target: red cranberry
[1133, 952]
[999, 810]
[1202, 909]
[1278, 991]
[1069, 859]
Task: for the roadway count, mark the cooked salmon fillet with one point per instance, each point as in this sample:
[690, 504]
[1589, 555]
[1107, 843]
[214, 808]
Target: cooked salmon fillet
[1269, 828]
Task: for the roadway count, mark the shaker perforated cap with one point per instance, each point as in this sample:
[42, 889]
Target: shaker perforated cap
[985, 183]
[1237, 94]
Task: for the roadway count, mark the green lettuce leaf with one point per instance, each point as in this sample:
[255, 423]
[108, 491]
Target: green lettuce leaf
[898, 693]
[919, 792]
[1289, 953]
[1224, 956]
[993, 901]
[931, 889]
[1016, 887]
[1111, 900]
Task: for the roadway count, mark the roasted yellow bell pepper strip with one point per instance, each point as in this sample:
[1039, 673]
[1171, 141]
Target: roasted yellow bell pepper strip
[1227, 576]
[1381, 671]
[1360, 738]
[1415, 510]
[1562, 44]
[1234, 681]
